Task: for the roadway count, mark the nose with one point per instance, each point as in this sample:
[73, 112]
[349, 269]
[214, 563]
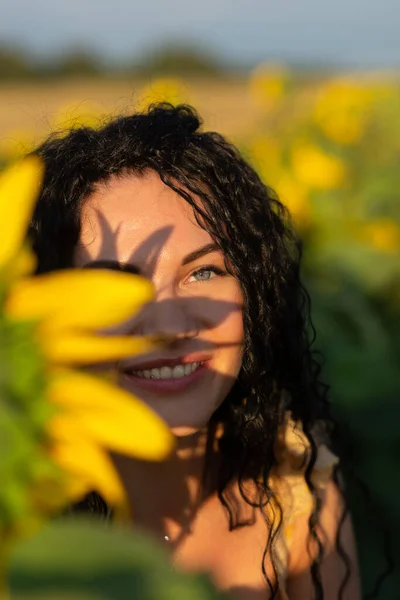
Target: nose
[170, 318]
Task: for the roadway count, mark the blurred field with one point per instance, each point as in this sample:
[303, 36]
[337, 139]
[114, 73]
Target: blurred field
[330, 146]
[32, 109]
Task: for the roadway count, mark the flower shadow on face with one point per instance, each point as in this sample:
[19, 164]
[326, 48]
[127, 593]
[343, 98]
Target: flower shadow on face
[208, 313]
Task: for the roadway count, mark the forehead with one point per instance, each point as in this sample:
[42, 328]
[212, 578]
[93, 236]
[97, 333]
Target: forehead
[140, 215]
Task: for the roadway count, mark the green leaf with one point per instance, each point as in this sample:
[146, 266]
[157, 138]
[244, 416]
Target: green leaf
[80, 560]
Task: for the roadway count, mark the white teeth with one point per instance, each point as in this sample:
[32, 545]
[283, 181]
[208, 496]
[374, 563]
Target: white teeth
[188, 368]
[167, 373]
[178, 371]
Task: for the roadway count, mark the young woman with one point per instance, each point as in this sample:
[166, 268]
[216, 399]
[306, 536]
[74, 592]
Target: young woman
[253, 493]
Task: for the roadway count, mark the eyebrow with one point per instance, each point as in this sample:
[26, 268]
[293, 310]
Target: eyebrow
[200, 252]
[116, 265]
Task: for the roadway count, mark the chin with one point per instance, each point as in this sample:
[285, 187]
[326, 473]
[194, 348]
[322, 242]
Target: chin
[185, 430]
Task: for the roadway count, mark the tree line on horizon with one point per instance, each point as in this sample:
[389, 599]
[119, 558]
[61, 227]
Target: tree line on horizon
[20, 64]
[170, 58]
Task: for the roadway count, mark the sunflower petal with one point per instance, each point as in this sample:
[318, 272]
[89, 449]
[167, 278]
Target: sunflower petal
[111, 416]
[80, 299]
[24, 263]
[68, 348]
[19, 187]
[89, 466]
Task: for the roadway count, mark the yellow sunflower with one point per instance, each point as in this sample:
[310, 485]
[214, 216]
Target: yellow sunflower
[315, 168]
[52, 414]
[163, 89]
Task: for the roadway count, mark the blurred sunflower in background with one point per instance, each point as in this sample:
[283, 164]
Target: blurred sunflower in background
[174, 90]
[58, 423]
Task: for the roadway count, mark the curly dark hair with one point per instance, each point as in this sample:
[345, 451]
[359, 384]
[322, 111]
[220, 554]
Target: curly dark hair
[280, 373]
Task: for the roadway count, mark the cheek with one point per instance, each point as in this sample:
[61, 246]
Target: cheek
[230, 336]
[233, 327]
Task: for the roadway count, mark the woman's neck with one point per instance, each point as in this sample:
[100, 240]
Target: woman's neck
[164, 497]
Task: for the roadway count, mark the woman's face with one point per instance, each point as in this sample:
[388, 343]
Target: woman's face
[142, 223]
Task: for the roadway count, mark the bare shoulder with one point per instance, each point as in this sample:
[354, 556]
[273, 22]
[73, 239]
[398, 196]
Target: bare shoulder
[332, 568]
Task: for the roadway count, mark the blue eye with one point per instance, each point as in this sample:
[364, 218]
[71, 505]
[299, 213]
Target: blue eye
[206, 273]
[203, 274]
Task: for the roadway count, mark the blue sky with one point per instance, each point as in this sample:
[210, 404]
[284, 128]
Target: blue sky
[361, 32]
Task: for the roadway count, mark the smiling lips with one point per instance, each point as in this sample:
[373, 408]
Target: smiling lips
[166, 372]
[167, 375]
